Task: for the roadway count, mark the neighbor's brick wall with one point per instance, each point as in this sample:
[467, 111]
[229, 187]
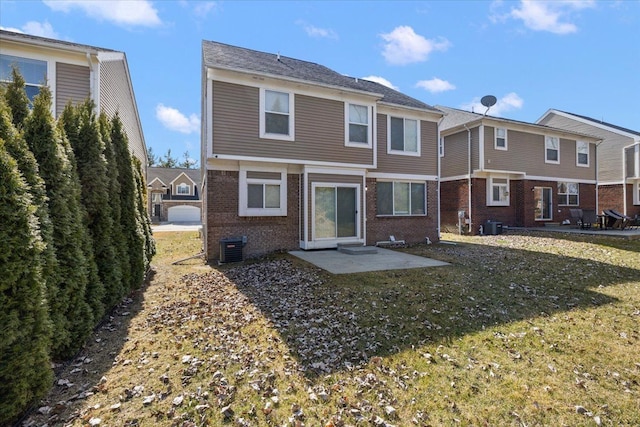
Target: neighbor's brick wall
[454, 197]
[264, 234]
[611, 197]
[412, 229]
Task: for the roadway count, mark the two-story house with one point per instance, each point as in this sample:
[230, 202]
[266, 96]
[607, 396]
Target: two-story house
[173, 194]
[516, 173]
[618, 159]
[75, 72]
[296, 155]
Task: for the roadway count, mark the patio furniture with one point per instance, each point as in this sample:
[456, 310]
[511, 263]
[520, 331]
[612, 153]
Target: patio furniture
[589, 218]
[614, 220]
[576, 217]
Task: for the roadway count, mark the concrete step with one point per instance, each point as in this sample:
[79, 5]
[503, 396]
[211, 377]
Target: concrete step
[357, 250]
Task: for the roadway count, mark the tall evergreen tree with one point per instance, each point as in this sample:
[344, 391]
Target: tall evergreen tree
[28, 166]
[143, 213]
[118, 290]
[83, 131]
[57, 170]
[132, 227]
[17, 98]
[25, 368]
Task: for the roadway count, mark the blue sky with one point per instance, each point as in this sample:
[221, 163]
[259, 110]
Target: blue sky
[577, 56]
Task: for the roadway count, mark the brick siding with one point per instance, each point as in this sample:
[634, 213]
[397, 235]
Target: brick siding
[264, 234]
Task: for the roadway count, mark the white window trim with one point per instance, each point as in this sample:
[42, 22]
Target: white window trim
[243, 193]
[490, 185]
[636, 193]
[403, 152]
[183, 185]
[393, 182]
[441, 147]
[578, 155]
[263, 133]
[370, 115]
[506, 140]
[568, 194]
[546, 160]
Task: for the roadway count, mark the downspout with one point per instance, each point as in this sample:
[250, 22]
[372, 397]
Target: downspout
[597, 178]
[469, 170]
[439, 178]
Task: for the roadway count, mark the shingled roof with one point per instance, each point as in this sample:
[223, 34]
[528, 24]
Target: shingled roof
[167, 175]
[600, 122]
[11, 35]
[224, 56]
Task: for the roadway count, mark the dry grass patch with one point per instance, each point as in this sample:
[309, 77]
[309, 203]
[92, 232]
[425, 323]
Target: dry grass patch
[520, 330]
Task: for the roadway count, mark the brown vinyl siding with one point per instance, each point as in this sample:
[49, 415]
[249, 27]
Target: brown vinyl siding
[72, 85]
[319, 128]
[526, 153]
[426, 164]
[609, 151]
[116, 97]
[455, 162]
[475, 153]
[263, 175]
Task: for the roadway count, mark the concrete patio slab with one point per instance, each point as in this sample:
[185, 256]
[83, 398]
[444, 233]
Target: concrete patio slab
[339, 263]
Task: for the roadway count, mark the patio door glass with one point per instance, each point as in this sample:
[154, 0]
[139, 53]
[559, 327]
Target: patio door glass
[543, 203]
[335, 213]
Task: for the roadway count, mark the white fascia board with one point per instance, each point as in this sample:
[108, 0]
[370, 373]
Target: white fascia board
[454, 178]
[558, 179]
[397, 176]
[292, 161]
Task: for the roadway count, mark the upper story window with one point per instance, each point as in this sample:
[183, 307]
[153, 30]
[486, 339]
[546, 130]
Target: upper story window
[263, 192]
[551, 149]
[441, 147]
[33, 71]
[276, 115]
[403, 136]
[498, 192]
[568, 193]
[156, 197]
[183, 189]
[582, 153]
[500, 139]
[401, 198]
[358, 127]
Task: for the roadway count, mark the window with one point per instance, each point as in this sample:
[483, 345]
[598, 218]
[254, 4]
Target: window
[441, 147]
[33, 71]
[568, 193]
[543, 206]
[183, 189]
[358, 127]
[403, 136]
[498, 192]
[582, 153]
[263, 192]
[276, 115]
[552, 149]
[401, 198]
[636, 193]
[501, 139]
[156, 197]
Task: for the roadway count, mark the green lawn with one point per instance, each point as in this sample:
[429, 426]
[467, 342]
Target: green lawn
[523, 330]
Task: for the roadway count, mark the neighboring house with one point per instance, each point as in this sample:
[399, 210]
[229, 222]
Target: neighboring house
[516, 173]
[296, 155]
[174, 195]
[75, 72]
[618, 159]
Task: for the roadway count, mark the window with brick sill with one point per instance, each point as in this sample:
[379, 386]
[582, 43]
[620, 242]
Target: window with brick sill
[498, 192]
[568, 194]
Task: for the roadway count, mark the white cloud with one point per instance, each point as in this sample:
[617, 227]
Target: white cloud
[435, 85]
[202, 8]
[551, 16]
[42, 29]
[403, 46]
[509, 102]
[173, 119]
[381, 80]
[316, 32]
[120, 12]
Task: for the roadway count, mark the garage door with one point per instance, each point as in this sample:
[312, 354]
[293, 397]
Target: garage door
[184, 214]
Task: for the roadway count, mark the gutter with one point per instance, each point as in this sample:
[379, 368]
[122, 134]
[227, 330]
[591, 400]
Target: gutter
[469, 170]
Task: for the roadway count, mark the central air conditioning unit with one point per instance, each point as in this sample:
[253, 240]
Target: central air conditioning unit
[231, 249]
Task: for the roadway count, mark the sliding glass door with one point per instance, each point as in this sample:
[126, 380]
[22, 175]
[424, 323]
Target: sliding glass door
[335, 213]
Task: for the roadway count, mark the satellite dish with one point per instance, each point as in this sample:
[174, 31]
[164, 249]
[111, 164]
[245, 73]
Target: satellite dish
[488, 101]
